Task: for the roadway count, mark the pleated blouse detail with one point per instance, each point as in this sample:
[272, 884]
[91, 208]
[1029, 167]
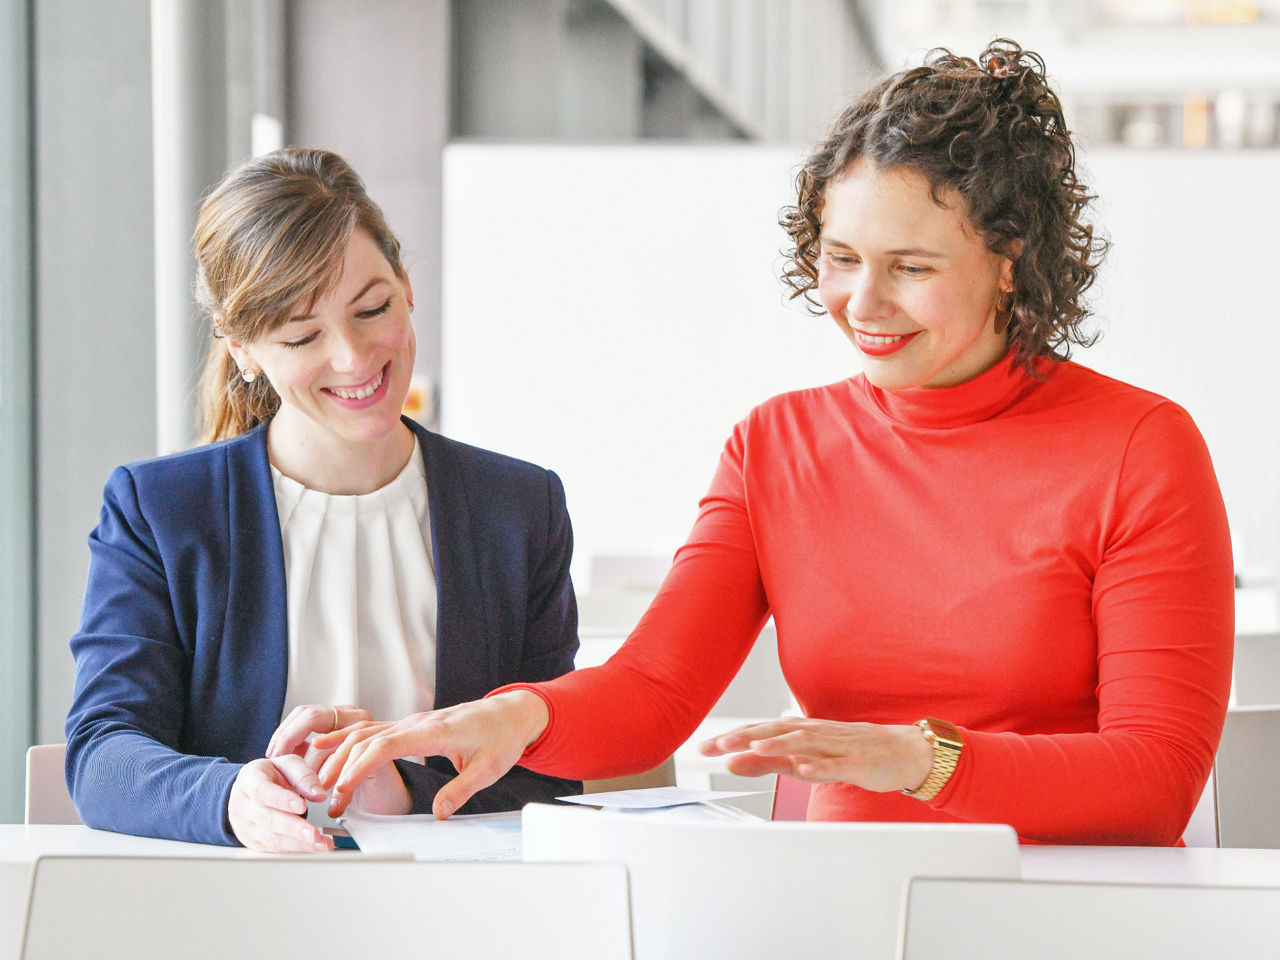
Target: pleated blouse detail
[361, 587]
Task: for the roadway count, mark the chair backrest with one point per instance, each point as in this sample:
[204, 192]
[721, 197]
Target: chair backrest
[1202, 828]
[114, 908]
[1247, 778]
[758, 689]
[47, 797]
[790, 798]
[642, 572]
[1058, 920]
[663, 775]
[1256, 677]
[745, 889]
[611, 612]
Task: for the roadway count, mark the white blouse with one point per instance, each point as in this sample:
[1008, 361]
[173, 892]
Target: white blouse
[361, 586]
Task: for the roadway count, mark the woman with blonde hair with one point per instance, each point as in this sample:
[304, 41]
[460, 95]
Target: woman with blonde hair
[321, 560]
[1002, 583]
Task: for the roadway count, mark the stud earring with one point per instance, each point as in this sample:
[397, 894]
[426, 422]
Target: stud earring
[248, 375]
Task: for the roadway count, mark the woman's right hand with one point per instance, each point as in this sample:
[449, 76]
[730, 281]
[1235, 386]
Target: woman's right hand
[483, 739]
[267, 807]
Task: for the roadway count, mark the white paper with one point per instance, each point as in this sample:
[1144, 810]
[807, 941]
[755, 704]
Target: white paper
[482, 836]
[653, 798]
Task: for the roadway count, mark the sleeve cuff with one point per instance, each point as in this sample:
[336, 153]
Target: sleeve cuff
[533, 688]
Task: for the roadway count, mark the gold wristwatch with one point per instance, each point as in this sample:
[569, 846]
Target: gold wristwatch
[947, 742]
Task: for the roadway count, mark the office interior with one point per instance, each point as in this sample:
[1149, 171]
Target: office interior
[587, 194]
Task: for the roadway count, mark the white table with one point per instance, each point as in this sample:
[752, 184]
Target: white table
[1176, 865]
[21, 845]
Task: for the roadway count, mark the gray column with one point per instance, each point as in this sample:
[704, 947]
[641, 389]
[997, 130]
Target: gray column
[94, 330]
[602, 76]
[507, 58]
[189, 132]
[17, 502]
[371, 81]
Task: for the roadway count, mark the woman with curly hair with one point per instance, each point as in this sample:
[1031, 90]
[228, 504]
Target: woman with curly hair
[974, 529]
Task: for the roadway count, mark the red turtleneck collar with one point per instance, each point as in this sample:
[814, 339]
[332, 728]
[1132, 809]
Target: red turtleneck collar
[985, 396]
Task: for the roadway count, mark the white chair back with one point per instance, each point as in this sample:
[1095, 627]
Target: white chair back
[1247, 778]
[47, 798]
[335, 908]
[1256, 674]
[752, 889]
[1050, 920]
[1202, 828]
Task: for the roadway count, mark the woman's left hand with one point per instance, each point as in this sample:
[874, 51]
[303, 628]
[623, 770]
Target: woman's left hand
[291, 736]
[384, 792]
[874, 756]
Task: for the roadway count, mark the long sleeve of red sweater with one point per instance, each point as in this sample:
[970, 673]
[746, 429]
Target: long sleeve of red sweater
[1044, 562]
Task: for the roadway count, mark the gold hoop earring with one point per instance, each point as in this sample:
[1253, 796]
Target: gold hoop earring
[1004, 311]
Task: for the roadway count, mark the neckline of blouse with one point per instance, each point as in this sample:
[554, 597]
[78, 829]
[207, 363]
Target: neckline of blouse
[409, 483]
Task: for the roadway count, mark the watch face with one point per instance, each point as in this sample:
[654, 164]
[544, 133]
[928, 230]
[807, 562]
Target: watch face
[946, 733]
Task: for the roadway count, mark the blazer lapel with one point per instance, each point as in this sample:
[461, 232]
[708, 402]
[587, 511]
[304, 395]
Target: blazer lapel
[256, 647]
[464, 670]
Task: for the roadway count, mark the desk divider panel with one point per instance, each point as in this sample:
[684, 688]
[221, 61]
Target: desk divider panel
[995, 919]
[753, 889]
[339, 908]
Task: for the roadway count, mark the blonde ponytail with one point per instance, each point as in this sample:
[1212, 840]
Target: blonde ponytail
[228, 405]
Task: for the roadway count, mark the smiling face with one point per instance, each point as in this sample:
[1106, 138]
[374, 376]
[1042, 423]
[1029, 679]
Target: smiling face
[909, 281]
[341, 367]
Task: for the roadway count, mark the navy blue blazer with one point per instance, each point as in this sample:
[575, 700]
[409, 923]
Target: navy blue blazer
[182, 651]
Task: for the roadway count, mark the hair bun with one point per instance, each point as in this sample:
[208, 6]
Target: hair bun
[1000, 67]
[1005, 59]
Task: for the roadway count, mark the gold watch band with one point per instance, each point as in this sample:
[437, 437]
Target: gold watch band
[947, 742]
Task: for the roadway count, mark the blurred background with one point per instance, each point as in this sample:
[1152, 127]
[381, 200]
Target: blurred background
[587, 192]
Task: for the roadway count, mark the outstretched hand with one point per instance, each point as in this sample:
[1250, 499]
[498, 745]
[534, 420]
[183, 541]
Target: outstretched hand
[483, 739]
[873, 756]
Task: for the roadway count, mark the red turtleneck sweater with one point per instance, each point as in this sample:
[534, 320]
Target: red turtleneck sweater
[1045, 563]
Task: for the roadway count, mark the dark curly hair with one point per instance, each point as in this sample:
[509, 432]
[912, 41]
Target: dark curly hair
[992, 131]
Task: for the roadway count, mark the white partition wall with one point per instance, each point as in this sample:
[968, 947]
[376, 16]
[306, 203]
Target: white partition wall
[1187, 302]
[612, 311]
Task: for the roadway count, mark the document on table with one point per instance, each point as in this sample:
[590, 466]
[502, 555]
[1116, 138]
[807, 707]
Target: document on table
[654, 798]
[481, 836]
[496, 836]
